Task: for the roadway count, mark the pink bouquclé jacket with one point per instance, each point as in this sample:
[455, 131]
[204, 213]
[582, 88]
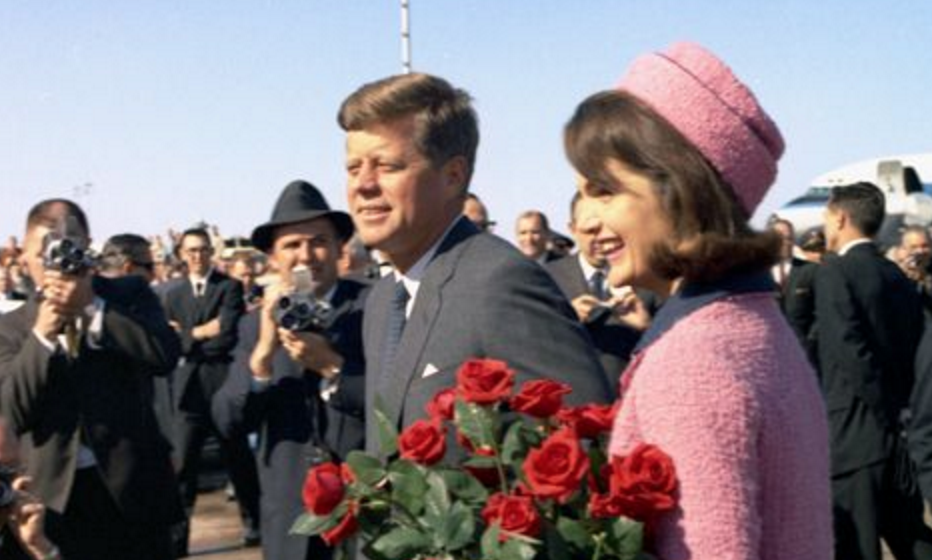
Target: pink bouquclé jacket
[728, 393]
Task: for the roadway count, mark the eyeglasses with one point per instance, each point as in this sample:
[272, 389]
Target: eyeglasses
[196, 251]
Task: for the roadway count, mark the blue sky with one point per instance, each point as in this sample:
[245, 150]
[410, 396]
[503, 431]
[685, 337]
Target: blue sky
[176, 111]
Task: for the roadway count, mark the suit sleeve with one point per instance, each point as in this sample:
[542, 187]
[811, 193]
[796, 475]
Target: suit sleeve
[236, 407]
[528, 323]
[27, 369]
[232, 307]
[844, 347]
[350, 398]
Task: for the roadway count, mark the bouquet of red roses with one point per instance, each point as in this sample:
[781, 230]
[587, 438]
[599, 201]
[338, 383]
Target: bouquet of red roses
[529, 478]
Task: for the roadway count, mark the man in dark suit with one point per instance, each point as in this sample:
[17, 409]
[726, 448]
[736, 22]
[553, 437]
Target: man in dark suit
[869, 324]
[614, 319]
[302, 391]
[205, 309]
[76, 368]
[455, 293]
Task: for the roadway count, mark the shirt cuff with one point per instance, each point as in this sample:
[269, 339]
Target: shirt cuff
[329, 387]
[49, 345]
[257, 385]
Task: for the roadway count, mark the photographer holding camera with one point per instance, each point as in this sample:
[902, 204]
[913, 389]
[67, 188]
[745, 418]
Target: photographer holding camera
[76, 368]
[297, 374]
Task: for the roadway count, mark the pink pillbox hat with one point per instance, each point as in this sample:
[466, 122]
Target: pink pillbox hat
[701, 97]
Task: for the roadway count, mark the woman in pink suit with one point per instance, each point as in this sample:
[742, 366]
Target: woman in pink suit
[679, 156]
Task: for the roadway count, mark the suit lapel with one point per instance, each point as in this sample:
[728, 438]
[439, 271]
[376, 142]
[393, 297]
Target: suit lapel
[423, 316]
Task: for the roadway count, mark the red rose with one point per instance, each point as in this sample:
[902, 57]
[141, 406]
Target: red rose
[641, 485]
[423, 442]
[484, 381]
[345, 528]
[323, 489]
[515, 514]
[556, 468]
[590, 420]
[540, 398]
[606, 506]
[347, 474]
[441, 406]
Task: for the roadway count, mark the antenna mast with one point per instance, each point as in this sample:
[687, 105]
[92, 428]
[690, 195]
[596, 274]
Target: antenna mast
[405, 38]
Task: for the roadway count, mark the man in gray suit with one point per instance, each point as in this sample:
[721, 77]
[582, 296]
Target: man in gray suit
[455, 293]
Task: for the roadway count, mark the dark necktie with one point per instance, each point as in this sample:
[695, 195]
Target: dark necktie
[394, 329]
[199, 288]
[597, 285]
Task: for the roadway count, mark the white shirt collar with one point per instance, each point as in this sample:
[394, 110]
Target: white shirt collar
[195, 279]
[587, 269]
[328, 297]
[412, 278]
[851, 244]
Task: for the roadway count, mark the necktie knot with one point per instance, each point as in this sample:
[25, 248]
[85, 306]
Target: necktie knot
[400, 298]
[199, 288]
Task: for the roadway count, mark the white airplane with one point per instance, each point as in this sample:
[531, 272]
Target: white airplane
[909, 199]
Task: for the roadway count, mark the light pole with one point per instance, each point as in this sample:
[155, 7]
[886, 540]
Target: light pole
[405, 38]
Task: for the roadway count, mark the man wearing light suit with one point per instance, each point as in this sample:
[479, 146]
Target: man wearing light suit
[455, 293]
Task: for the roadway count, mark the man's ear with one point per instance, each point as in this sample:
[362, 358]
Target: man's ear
[455, 172]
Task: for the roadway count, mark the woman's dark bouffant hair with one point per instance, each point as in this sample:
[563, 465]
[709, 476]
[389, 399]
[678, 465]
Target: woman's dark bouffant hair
[712, 237]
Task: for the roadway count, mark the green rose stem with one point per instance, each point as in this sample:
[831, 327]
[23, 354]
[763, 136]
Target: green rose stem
[599, 543]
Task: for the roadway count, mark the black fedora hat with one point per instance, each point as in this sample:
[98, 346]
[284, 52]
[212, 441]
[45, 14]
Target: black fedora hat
[300, 202]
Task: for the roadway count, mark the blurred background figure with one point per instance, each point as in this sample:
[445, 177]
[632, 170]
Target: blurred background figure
[914, 254]
[799, 294]
[782, 270]
[478, 214]
[8, 291]
[532, 233]
[243, 268]
[126, 254]
[559, 245]
[355, 260]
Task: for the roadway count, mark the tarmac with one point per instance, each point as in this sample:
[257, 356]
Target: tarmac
[216, 530]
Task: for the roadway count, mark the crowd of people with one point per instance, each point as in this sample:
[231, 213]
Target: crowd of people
[788, 376]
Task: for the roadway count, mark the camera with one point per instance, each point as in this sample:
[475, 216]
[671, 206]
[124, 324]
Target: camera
[66, 254]
[302, 312]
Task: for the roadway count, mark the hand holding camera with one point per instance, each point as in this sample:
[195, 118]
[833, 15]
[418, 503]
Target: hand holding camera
[293, 317]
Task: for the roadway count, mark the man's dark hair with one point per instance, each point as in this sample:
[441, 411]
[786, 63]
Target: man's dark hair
[126, 247]
[863, 203]
[51, 212]
[193, 232]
